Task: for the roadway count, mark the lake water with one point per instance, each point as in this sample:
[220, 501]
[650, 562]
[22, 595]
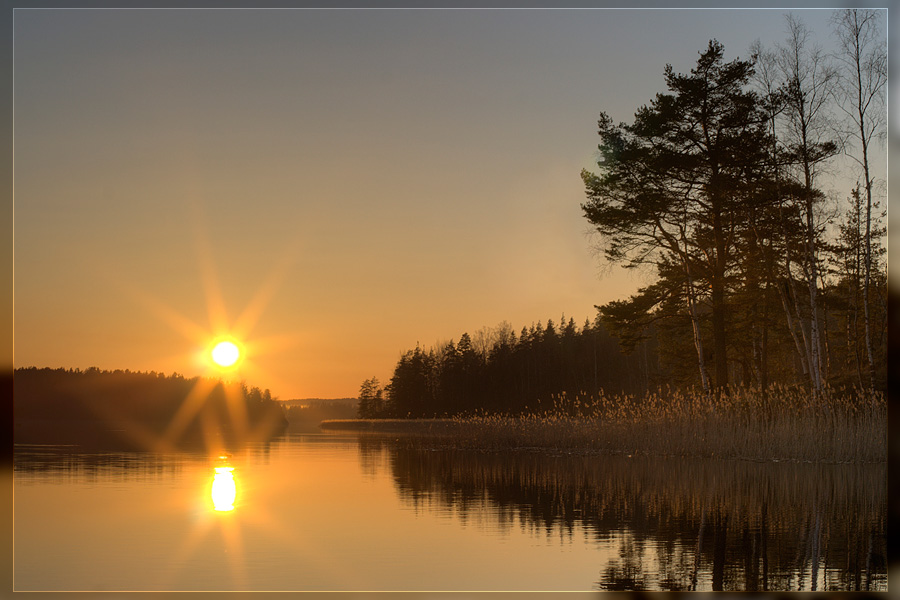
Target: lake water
[348, 512]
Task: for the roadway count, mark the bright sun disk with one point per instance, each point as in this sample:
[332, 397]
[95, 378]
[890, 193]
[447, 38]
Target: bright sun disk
[225, 354]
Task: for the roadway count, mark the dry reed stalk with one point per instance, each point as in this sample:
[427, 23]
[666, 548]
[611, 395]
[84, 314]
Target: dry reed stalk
[786, 424]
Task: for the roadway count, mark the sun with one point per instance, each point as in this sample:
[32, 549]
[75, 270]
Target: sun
[226, 353]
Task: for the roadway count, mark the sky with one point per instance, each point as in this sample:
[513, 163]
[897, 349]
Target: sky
[329, 188]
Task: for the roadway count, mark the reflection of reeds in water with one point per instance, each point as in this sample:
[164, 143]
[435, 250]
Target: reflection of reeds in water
[785, 424]
[709, 524]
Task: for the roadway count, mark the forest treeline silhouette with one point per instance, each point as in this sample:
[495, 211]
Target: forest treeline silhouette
[143, 410]
[506, 372]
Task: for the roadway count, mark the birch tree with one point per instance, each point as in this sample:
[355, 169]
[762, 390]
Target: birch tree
[861, 89]
[809, 83]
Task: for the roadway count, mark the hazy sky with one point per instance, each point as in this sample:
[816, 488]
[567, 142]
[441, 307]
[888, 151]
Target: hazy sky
[330, 186]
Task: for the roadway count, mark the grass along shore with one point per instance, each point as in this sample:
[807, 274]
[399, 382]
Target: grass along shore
[787, 424]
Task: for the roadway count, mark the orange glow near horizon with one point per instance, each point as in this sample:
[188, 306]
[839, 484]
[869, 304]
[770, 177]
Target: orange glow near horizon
[224, 351]
[226, 348]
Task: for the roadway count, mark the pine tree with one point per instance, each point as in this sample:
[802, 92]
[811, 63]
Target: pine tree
[673, 183]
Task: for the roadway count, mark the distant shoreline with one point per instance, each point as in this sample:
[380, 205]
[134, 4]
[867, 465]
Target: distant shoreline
[412, 426]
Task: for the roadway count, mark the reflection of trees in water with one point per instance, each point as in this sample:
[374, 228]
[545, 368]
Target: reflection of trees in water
[678, 524]
[53, 462]
[627, 573]
[373, 455]
[73, 463]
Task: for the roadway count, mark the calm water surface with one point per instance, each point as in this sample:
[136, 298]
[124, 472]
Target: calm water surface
[339, 512]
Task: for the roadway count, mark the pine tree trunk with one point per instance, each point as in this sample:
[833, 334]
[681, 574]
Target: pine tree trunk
[695, 325]
[763, 365]
[720, 346]
[695, 319]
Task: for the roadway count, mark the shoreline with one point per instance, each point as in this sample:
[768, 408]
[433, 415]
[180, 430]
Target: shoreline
[589, 436]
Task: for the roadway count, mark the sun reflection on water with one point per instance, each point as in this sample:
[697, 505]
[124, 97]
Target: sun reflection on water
[224, 489]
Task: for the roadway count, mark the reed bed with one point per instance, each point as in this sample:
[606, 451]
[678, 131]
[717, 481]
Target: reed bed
[785, 424]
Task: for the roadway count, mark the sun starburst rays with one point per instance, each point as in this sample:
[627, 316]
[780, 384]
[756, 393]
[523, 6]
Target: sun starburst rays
[251, 314]
[188, 409]
[224, 351]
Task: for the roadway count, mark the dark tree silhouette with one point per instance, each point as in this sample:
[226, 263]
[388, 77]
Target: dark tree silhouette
[673, 185]
[143, 410]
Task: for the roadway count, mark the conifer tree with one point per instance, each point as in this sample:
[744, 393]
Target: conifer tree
[672, 184]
